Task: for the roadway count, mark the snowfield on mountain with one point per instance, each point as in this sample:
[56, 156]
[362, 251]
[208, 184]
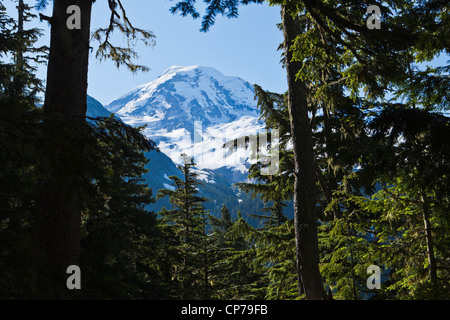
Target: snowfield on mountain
[194, 110]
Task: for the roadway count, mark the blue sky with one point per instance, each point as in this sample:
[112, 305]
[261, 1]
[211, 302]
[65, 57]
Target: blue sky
[245, 47]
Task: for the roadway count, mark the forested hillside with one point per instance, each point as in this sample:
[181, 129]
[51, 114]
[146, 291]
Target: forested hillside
[358, 207]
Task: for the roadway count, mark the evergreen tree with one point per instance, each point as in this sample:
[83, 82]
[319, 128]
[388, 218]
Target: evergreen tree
[413, 197]
[327, 46]
[189, 220]
[120, 252]
[376, 179]
[231, 274]
[58, 200]
[221, 225]
[18, 78]
[19, 150]
[118, 234]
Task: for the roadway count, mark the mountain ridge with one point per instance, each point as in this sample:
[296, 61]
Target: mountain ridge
[183, 94]
[217, 185]
[194, 110]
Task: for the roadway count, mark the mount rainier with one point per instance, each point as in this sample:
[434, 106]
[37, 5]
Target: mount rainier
[194, 110]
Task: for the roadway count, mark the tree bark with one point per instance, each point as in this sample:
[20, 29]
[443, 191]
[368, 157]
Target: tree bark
[305, 180]
[19, 81]
[429, 237]
[58, 203]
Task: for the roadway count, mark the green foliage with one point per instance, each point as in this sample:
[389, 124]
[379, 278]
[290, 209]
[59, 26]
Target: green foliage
[20, 136]
[214, 7]
[404, 243]
[19, 56]
[120, 250]
[121, 55]
[361, 143]
[381, 165]
[231, 277]
[19, 141]
[188, 220]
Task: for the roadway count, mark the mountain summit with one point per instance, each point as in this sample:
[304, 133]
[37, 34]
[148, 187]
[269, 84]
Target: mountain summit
[182, 95]
[194, 110]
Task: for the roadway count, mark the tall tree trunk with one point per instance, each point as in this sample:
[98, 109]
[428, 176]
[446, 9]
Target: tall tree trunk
[20, 28]
[18, 81]
[205, 258]
[305, 180]
[429, 237]
[58, 205]
[187, 215]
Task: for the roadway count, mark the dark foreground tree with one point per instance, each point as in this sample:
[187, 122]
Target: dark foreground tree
[19, 146]
[320, 37]
[305, 184]
[58, 202]
[121, 244]
[305, 197]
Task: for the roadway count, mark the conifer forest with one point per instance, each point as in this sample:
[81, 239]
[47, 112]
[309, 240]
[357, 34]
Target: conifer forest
[356, 207]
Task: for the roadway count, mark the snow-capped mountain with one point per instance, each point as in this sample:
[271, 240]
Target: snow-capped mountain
[182, 95]
[194, 110]
[217, 187]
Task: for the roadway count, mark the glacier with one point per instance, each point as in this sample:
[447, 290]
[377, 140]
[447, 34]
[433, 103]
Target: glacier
[194, 110]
